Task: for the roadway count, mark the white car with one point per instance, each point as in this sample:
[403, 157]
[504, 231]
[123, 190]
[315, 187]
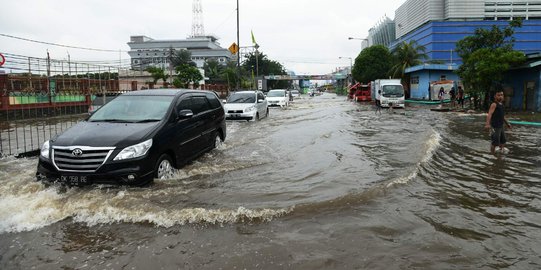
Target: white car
[278, 97]
[295, 93]
[246, 105]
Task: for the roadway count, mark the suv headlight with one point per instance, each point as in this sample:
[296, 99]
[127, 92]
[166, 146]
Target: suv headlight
[44, 151]
[249, 109]
[134, 151]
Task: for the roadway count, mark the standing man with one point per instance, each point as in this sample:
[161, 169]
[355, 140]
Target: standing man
[452, 94]
[495, 121]
[461, 96]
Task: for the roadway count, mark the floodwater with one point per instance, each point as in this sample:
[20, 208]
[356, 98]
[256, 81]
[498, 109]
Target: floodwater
[325, 184]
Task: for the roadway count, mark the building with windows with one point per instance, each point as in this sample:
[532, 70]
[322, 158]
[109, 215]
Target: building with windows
[414, 13]
[145, 51]
[439, 24]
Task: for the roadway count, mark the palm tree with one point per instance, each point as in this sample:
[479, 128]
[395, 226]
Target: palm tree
[407, 55]
[213, 70]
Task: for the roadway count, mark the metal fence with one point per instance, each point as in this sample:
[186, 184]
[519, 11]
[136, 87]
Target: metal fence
[42, 97]
[34, 117]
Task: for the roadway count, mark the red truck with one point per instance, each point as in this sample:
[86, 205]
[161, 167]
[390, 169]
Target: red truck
[362, 92]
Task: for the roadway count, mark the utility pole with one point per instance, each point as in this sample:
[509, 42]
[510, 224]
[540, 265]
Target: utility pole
[238, 53]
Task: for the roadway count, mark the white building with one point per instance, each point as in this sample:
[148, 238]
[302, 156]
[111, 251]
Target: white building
[145, 51]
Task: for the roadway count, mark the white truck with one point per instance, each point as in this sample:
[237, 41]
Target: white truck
[388, 92]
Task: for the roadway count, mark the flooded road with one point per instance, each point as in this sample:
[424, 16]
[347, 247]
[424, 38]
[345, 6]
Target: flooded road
[324, 184]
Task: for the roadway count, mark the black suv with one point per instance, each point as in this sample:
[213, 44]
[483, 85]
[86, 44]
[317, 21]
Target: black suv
[136, 137]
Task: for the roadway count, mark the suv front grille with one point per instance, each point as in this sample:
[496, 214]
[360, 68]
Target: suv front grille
[80, 158]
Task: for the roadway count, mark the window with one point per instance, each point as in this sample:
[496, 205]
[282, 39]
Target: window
[199, 105]
[414, 80]
[185, 104]
[213, 100]
[443, 78]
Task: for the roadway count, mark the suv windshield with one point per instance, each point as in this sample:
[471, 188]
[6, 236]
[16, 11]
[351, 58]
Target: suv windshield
[393, 90]
[133, 109]
[277, 93]
[241, 98]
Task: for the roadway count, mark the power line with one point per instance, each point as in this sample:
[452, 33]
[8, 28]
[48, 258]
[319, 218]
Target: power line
[61, 45]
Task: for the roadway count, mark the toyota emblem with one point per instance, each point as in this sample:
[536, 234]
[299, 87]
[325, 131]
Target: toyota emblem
[77, 152]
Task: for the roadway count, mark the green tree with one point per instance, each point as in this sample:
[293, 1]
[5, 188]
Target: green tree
[182, 57]
[157, 74]
[486, 56]
[230, 75]
[372, 63]
[187, 74]
[214, 71]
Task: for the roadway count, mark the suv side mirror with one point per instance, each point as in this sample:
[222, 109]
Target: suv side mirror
[183, 114]
[260, 100]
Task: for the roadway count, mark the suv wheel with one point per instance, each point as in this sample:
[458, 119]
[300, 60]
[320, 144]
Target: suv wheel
[164, 169]
[217, 140]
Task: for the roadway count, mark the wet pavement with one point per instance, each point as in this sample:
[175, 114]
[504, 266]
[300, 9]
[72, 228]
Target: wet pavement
[324, 184]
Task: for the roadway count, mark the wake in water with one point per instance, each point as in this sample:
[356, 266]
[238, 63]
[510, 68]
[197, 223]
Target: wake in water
[430, 147]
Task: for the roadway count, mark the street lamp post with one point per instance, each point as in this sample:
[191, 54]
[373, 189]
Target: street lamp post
[238, 53]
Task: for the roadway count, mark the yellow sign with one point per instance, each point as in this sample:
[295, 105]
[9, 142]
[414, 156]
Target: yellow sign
[234, 48]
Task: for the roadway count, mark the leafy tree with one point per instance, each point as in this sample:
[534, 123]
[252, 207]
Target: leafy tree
[157, 74]
[372, 63]
[229, 75]
[486, 56]
[187, 74]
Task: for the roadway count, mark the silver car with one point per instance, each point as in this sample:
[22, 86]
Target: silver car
[246, 105]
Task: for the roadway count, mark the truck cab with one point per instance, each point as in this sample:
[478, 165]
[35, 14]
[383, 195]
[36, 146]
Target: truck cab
[389, 93]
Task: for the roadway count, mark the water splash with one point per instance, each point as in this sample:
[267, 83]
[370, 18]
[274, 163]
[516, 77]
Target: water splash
[430, 147]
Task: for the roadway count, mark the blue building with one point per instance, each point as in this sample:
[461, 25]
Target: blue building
[522, 85]
[421, 76]
[440, 37]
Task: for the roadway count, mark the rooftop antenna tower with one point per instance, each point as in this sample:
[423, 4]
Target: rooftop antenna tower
[198, 30]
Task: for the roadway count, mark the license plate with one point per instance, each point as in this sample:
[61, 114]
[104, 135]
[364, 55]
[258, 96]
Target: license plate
[74, 180]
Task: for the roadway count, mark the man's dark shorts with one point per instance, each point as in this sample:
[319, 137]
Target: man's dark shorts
[498, 136]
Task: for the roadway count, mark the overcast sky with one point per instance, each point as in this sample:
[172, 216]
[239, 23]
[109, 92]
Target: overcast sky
[306, 36]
